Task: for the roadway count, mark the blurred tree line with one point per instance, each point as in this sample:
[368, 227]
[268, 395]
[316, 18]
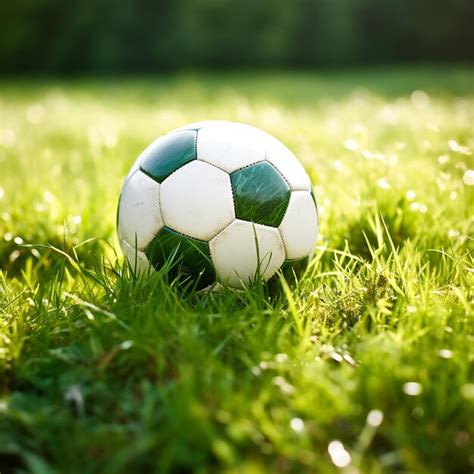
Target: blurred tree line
[77, 36]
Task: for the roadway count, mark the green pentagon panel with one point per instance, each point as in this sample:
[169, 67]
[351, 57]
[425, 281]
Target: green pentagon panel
[169, 153]
[188, 256]
[261, 194]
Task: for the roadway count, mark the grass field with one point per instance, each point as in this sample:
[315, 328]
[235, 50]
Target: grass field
[366, 364]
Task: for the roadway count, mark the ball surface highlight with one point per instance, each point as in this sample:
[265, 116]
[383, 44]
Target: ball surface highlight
[222, 201]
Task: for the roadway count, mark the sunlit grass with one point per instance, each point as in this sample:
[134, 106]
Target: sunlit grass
[364, 365]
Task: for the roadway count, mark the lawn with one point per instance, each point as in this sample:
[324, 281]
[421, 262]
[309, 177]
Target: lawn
[365, 364]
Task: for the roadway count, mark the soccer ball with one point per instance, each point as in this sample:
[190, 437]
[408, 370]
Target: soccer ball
[224, 201]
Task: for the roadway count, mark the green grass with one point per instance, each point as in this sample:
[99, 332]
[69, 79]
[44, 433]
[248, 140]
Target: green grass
[103, 372]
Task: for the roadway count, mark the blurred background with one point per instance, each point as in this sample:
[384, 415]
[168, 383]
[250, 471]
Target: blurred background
[139, 36]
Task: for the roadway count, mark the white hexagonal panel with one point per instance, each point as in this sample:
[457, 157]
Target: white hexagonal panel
[137, 259]
[234, 252]
[135, 167]
[299, 227]
[196, 200]
[229, 146]
[139, 217]
[287, 164]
